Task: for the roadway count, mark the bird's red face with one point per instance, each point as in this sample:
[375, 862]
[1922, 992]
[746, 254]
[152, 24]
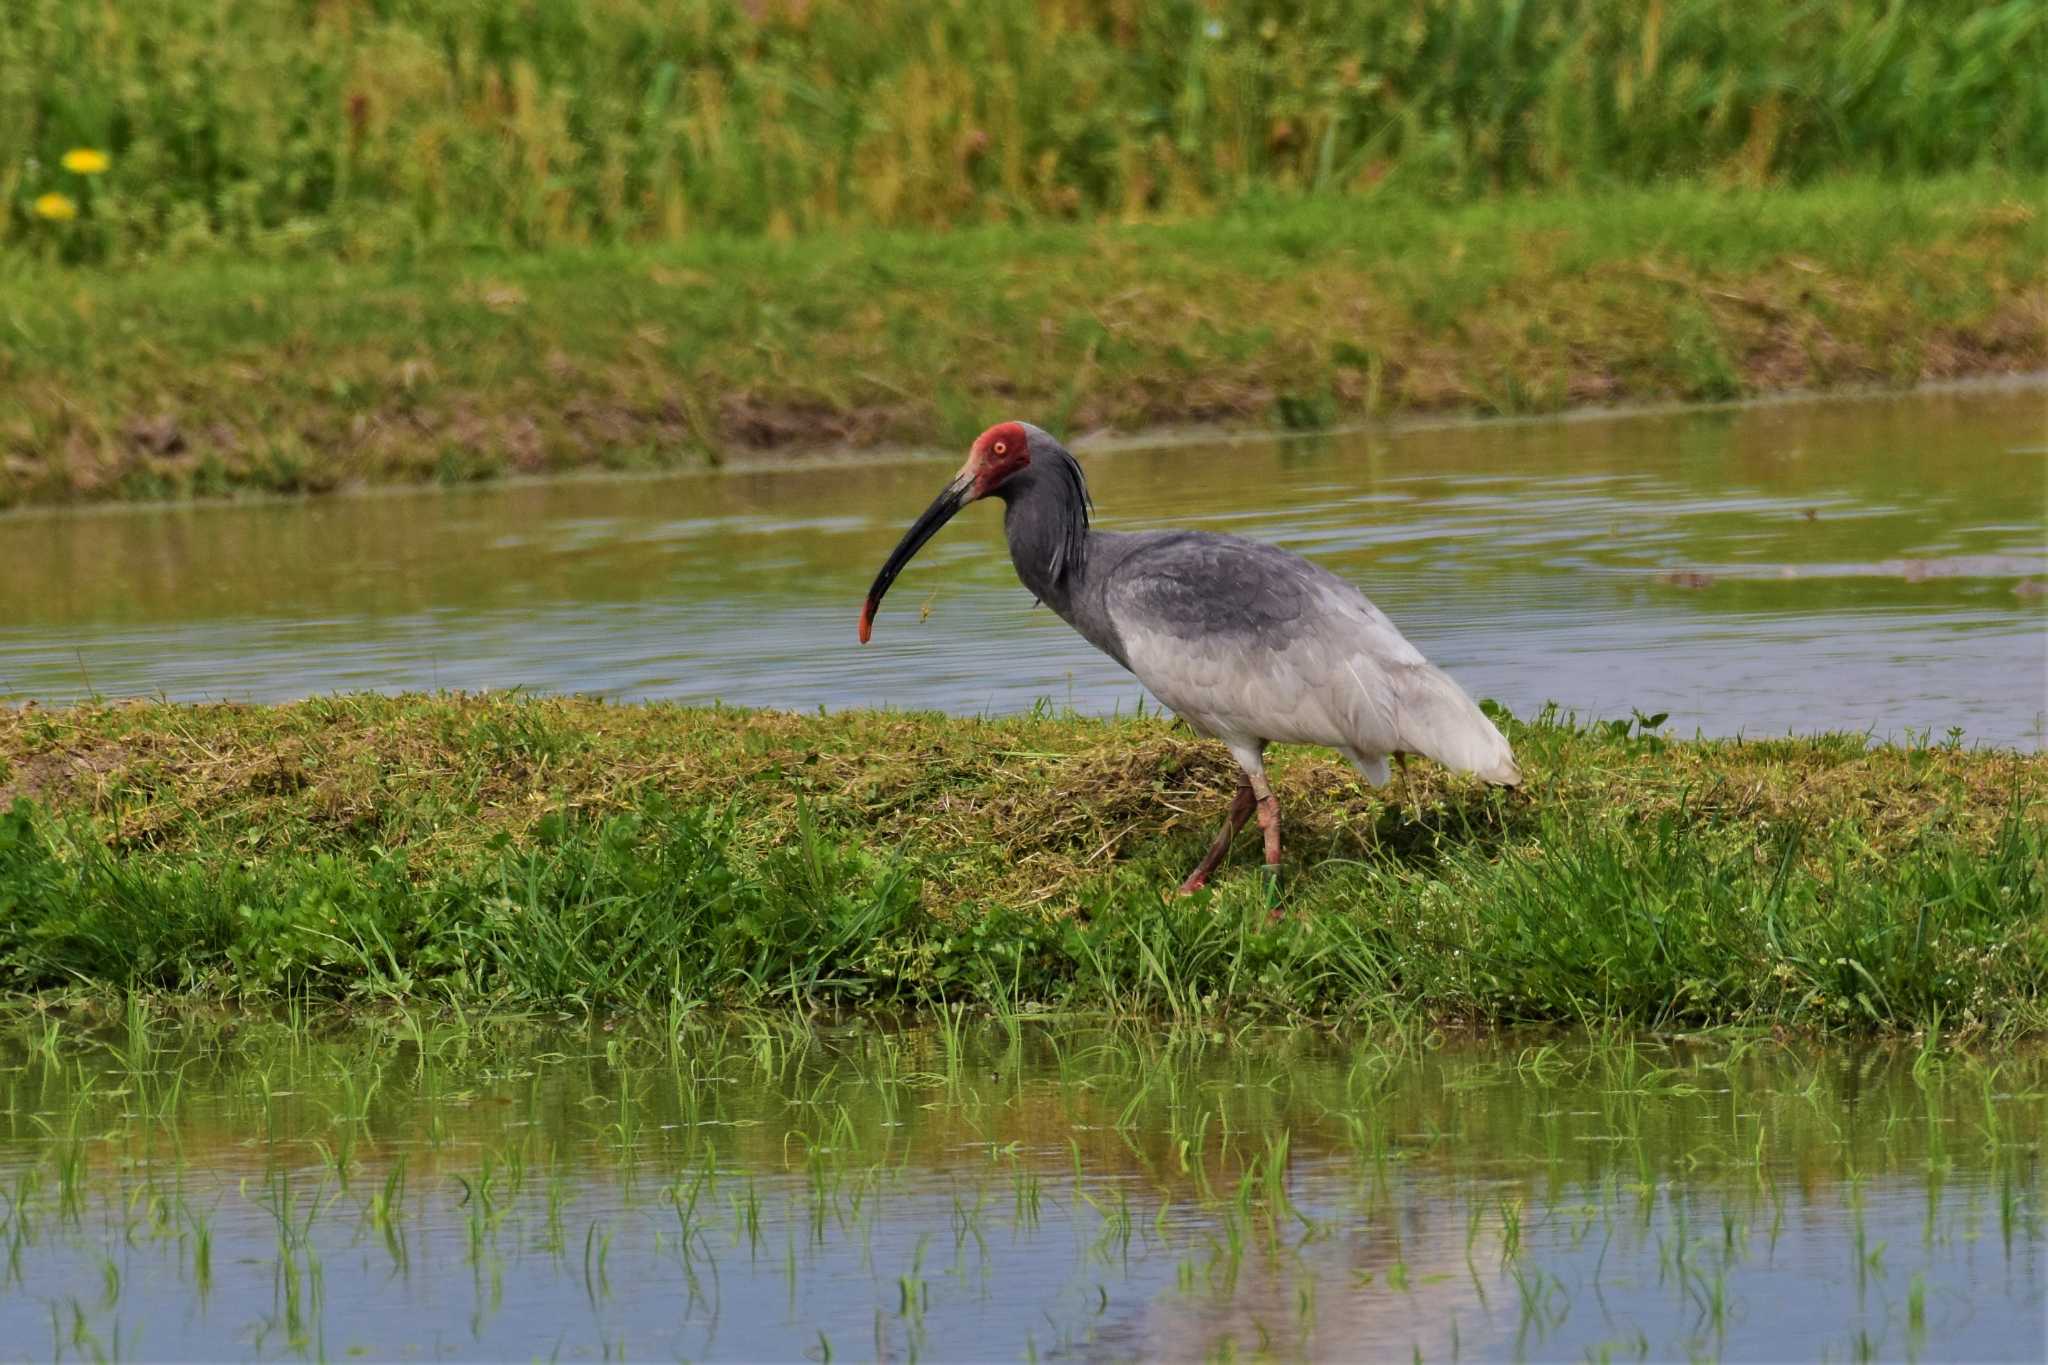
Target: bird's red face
[997, 454]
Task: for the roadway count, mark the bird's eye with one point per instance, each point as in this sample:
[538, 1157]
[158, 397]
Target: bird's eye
[1002, 448]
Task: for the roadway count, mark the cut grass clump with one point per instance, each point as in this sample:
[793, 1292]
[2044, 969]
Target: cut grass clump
[664, 856]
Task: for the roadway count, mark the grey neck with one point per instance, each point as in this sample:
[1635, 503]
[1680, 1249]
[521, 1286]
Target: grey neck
[1045, 517]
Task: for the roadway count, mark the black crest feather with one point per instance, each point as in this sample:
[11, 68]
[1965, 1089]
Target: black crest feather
[1065, 473]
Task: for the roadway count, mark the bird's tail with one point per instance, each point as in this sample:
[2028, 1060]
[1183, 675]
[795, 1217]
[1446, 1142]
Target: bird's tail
[1434, 717]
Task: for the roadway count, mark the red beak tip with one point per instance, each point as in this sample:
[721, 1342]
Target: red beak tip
[867, 621]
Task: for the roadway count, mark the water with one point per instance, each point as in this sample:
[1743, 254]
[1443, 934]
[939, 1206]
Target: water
[1871, 564]
[763, 1188]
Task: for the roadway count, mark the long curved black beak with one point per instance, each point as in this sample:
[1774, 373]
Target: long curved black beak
[957, 495]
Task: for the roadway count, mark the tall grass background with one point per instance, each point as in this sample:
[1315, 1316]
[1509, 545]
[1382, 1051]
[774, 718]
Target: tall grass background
[373, 128]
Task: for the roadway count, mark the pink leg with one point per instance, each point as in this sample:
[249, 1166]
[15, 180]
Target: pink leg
[1269, 824]
[1240, 811]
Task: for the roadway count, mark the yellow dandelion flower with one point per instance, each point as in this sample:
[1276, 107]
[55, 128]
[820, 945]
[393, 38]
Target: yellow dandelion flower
[58, 208]
[85, 161]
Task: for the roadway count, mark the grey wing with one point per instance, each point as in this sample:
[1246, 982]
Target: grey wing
[1247, 641]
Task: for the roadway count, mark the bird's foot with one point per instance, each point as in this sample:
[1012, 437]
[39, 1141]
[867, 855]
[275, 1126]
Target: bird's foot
[1269, 879]
[1240, 811]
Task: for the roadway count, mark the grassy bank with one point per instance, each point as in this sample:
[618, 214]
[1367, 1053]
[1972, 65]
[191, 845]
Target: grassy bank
[213, 377]
[564, 853]
[358, 131]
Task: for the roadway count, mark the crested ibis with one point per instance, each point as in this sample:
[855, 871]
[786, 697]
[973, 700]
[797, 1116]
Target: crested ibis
[1248, 643]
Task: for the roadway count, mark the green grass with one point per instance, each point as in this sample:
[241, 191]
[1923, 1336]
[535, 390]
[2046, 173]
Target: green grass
[558, 853]
[369, 130]
[212, 377]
